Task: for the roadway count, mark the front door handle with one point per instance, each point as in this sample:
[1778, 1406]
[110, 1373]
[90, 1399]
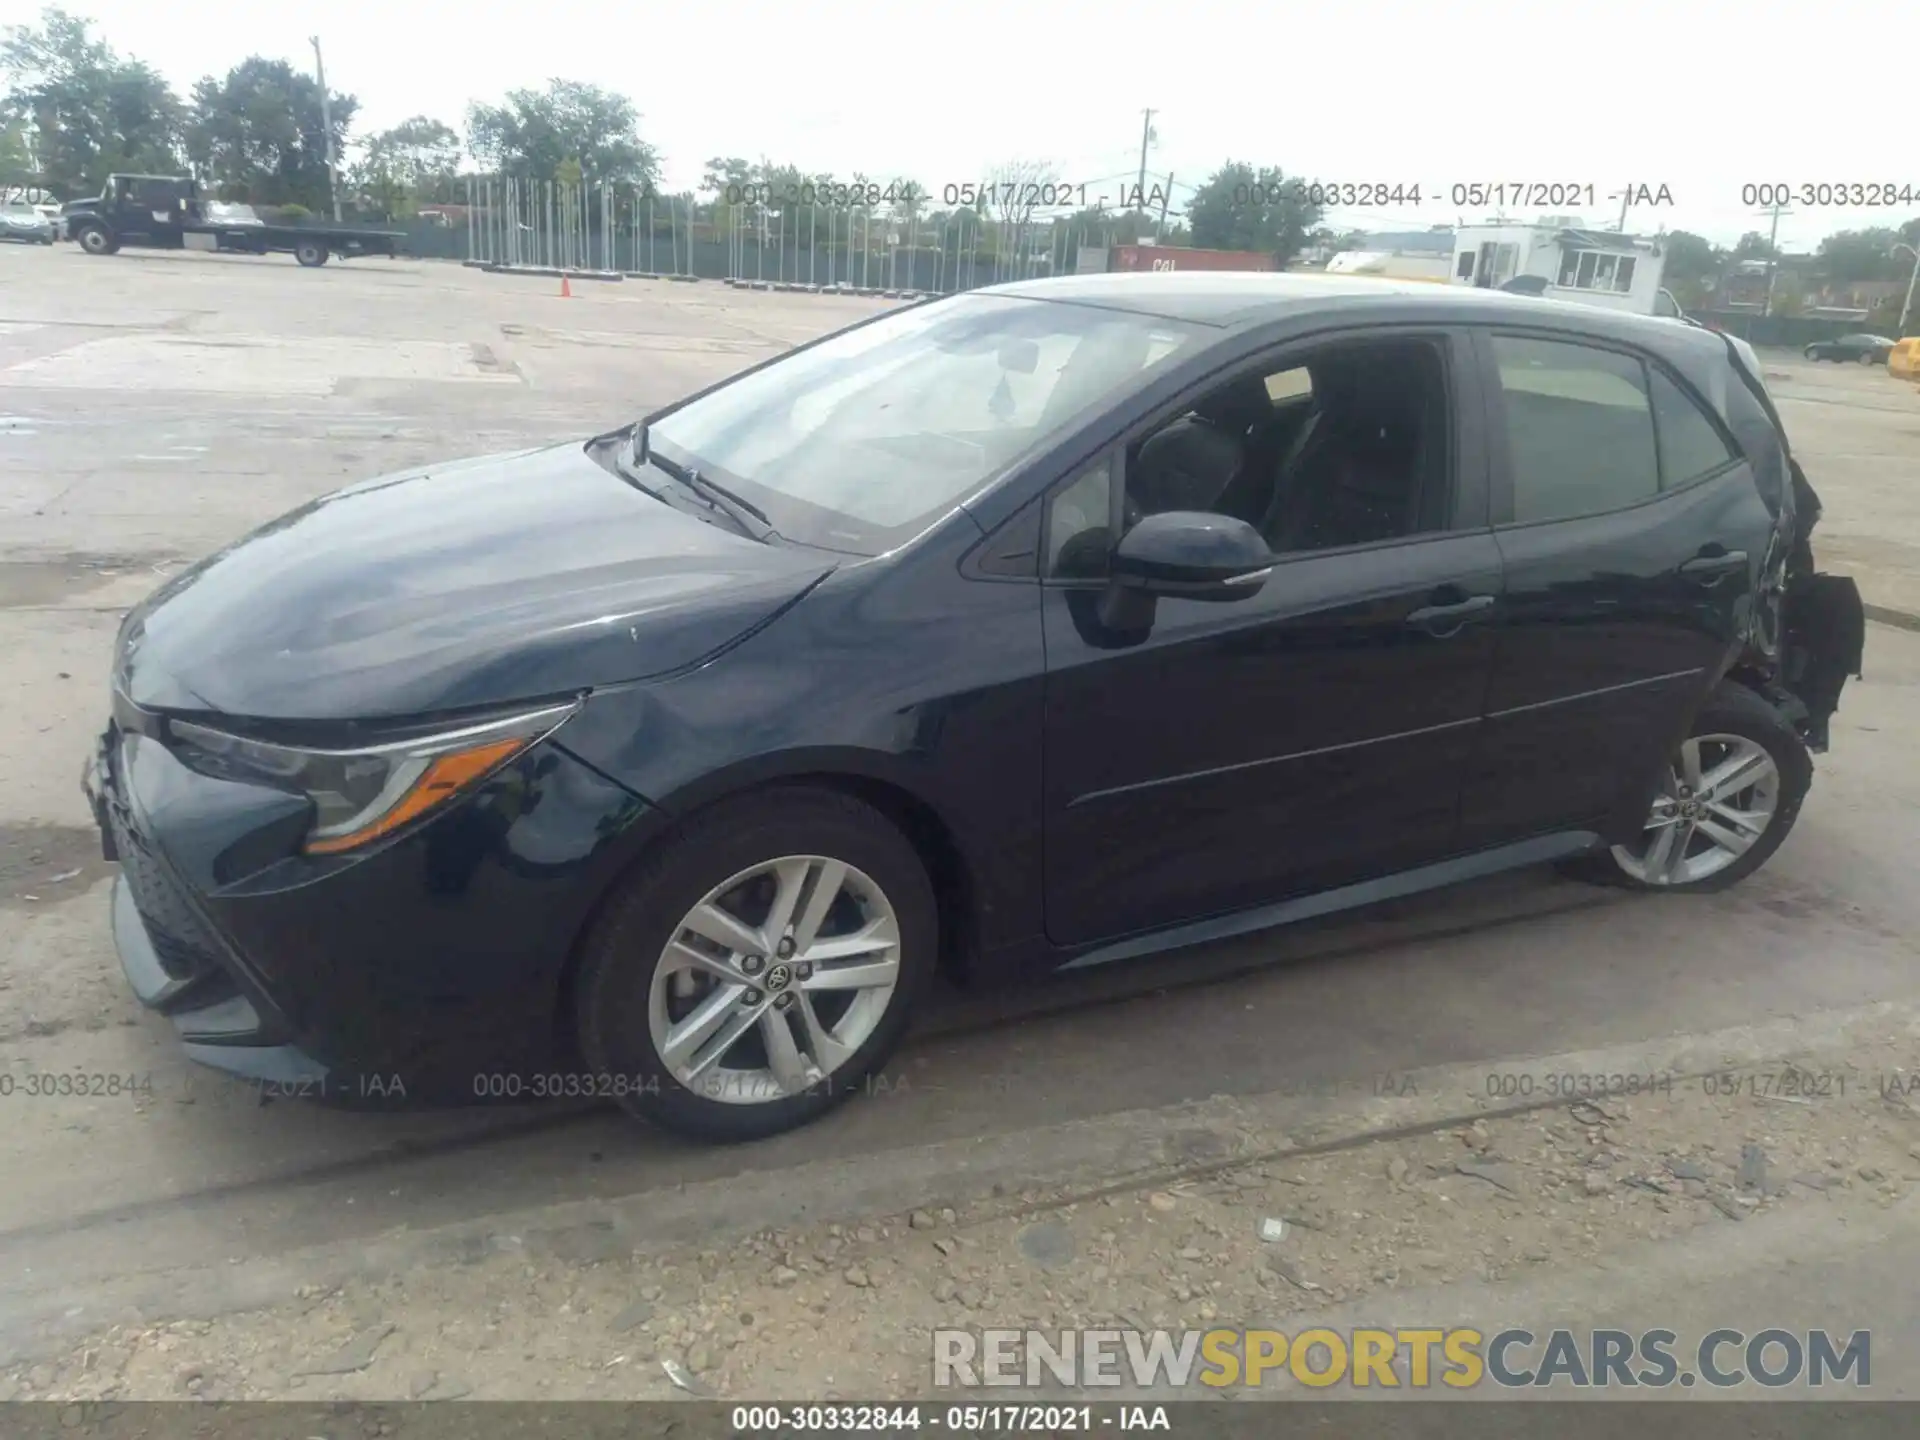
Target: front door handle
[1442, 621]
[1711, 569]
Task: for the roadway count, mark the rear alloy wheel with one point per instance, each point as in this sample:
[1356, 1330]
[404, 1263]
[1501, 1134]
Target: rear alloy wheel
[1726, 801]
[743, 1005]
[310, 253]
[1812, 352]
[1867, 357]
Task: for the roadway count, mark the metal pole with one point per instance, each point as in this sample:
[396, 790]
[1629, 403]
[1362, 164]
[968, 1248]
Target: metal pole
[1906, 307]
[1146, 136]
[1773, 252]
[326, 120]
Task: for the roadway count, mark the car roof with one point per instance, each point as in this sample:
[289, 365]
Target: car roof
[1231, 299]
[1238, 300]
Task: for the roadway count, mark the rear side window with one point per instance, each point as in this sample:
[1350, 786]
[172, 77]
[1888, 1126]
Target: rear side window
[1691, 445]
[1579, 428]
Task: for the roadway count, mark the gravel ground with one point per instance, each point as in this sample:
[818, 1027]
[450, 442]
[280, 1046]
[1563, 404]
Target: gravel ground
[846, 1312]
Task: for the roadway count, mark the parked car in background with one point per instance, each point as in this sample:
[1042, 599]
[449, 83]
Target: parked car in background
[1049, 625]
[26, 223]
[1863, 349]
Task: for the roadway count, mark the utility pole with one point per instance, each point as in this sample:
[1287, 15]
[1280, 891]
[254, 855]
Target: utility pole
[1626, 198]
[1165, 195]
[1773, 255]
[1146, 138]
[326, 119]
[1912, 280]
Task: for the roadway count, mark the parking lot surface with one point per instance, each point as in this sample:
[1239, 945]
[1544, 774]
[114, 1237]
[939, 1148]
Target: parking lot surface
[156, 407]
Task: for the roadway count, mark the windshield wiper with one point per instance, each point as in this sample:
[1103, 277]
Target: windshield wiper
[623, 463]
[744, 513]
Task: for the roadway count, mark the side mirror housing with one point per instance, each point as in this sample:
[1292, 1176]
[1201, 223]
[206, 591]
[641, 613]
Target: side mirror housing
[1184, 554]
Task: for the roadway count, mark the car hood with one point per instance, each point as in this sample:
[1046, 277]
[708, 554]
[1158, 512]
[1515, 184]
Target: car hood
[472, 583]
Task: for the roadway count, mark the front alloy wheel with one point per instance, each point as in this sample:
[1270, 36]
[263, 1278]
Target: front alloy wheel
[1725, 802]
[775, 980]
[758, 965]
[1714, 806]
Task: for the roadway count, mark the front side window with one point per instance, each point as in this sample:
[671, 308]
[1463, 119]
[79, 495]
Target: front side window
[1080, 524]
[1579, 428]
[1356, 450]
[860, 442]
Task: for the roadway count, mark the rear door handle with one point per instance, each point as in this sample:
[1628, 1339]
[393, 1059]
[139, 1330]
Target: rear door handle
[1444, 620]
[1710, 569]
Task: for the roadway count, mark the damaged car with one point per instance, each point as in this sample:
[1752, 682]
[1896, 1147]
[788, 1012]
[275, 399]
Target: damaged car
[1047, 626]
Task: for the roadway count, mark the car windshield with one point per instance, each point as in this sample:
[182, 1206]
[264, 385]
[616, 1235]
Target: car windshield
[858, 443]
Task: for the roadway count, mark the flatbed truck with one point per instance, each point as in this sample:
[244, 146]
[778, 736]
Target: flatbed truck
[168, 212]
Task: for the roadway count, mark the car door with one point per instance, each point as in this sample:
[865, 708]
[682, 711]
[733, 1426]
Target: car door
[1630, 530]
[1306, 736]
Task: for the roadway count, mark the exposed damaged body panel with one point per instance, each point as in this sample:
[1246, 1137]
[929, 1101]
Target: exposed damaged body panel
[1809, 630]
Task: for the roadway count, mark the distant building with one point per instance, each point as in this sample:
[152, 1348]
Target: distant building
[1390, 265]
[1390, 254]
[1607, 268]
[1435, 240]
[1798, 288]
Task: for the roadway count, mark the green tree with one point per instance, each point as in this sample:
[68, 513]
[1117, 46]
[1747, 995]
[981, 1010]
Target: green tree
[1693, 267]
[1241, 208]
[535, 131]
[258, 134]
[16, 155]
[416, 162]
[1849, 256]
[1753, 246]
[83, 110]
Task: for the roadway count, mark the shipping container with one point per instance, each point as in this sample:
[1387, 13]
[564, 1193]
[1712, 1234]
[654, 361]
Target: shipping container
[1179, 257]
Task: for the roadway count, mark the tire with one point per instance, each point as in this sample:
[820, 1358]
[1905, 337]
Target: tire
[311, 253]
[1812, 352]
[97, 240]
[1867, 357]
[633, 991]
[1697, 863]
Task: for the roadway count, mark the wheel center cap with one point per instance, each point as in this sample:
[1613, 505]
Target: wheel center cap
[1689, 808]
[779, 977]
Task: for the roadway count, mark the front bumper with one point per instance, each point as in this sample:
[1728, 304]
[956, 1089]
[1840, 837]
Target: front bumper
[416, 971]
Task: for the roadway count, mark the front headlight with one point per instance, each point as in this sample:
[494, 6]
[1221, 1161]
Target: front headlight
[363, 794]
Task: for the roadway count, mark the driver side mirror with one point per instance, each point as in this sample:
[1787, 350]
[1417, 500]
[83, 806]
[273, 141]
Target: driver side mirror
[1183, 554]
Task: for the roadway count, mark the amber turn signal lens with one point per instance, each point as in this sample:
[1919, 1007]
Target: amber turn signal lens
[443, 779]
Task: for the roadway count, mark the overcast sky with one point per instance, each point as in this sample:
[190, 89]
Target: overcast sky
[1700, 96]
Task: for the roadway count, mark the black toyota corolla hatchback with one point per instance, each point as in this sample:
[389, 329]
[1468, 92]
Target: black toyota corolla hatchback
[1037, 627]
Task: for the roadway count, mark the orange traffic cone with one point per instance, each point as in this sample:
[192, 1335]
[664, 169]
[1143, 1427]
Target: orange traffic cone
[566, 290]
